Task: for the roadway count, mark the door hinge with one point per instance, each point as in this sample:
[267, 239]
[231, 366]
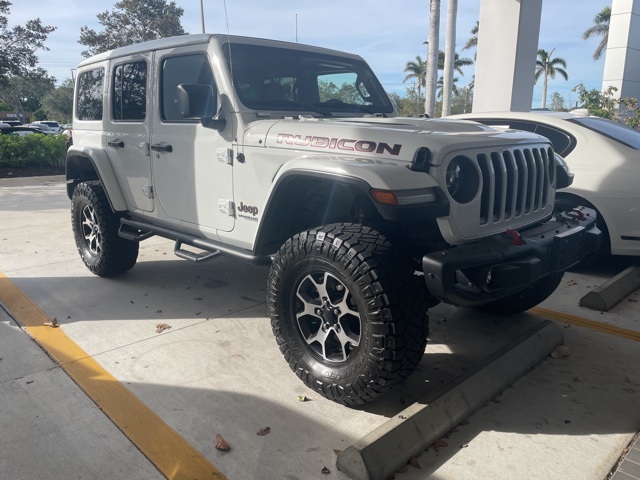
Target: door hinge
[147, 191]
[225, 155]
[227, 207]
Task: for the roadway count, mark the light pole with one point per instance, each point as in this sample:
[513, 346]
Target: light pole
[202, 14]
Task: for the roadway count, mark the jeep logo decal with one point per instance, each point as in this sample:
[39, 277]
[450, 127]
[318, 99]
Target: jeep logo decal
[248, 209]
[339, 144]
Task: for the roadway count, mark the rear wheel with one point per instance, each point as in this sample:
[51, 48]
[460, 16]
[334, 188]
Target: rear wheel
[95, 229]
[347, 312]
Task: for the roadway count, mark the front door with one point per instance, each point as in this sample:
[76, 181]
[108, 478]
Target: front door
[191, 164]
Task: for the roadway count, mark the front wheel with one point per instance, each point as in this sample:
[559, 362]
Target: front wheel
[95, 229]
[519, 302]
[347, 312]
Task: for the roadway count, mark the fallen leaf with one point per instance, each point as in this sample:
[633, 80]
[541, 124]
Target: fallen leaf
[264, 431]
[302, 398]
[402, 417]
[161, 327]
[413, 461]
[440, 443]
[221, 443]
[325, 470]
[53, 323]
[336, 451]
[560, 352]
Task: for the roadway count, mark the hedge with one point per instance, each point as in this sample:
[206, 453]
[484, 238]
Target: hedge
[35, 149]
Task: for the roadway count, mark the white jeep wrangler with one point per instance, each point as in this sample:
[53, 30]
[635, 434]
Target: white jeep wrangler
[294, 156]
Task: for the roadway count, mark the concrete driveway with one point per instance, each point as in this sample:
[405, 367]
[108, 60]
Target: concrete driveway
[155, 402]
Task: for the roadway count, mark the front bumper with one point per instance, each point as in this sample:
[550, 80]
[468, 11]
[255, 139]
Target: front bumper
[503, 264]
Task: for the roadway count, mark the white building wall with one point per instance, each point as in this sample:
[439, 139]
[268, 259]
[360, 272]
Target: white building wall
[622, 62]
[506, 55]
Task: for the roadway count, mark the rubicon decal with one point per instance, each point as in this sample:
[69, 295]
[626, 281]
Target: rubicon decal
[364, 146]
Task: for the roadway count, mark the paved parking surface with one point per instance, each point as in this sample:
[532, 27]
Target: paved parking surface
[218, 370]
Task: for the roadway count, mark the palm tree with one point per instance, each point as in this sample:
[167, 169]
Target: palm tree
[550, 68]
[599, 28]
[417, 71]
[473, 41]
[440, 87]
[458, 62]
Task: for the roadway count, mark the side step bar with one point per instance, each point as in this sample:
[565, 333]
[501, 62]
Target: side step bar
[193, 256]
[139, 230]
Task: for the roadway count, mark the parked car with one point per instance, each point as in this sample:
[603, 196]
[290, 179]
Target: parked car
[53, 125]
[605, 158]
[18, 130]
[11, 121]
[42, 127]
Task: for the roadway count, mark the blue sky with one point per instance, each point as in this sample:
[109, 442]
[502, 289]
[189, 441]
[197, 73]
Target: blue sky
[386, 33]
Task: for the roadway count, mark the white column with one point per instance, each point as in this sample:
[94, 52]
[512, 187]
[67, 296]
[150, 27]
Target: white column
[506, 55]
[622, 62]
[449, 52]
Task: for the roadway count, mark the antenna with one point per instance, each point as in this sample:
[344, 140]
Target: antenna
[202, 14]
[226, 17]
[296, 28]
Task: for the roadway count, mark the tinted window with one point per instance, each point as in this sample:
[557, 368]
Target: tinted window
[187, 69]
[269, 78]
[89, 95]
[130, 91]
[616, 131]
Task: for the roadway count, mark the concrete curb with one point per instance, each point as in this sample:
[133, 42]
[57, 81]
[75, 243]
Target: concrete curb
[604, 297]
[382, 452]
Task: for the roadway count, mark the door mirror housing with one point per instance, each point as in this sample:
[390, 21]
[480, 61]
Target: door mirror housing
[200, 102]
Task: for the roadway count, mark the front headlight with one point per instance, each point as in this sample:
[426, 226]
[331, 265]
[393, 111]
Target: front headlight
[462, 179]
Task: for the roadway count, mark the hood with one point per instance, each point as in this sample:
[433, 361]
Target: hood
[396, 138]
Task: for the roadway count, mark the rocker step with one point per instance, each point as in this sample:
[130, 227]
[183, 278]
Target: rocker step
[193, 256]
[135, 235]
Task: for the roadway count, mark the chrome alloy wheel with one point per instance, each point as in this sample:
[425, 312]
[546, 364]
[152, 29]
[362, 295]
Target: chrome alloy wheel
[327, 316]
[91, 230]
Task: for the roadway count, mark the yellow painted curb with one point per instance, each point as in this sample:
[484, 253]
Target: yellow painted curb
[583, 322]
[164, 447]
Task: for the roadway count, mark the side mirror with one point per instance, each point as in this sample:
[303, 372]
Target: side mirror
[199, 102]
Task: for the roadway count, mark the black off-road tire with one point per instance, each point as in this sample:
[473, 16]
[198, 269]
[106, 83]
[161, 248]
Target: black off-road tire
[522, 301]
[95, 229]
[382, 305]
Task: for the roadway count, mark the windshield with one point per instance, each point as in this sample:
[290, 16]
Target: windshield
[616, 131]
[270, 78]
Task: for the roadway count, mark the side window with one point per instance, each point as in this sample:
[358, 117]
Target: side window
[129, 95]
[187, 69]
[89, 95]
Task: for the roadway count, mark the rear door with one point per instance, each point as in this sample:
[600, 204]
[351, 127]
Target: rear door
[127, 140]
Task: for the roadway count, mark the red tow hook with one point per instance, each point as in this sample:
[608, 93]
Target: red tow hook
[516, 238]
[579, 213]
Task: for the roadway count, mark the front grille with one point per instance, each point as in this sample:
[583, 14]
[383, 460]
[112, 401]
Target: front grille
[515, 183]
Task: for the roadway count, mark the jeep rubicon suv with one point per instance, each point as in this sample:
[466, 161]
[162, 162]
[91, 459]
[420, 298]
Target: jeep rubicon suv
[294, 156]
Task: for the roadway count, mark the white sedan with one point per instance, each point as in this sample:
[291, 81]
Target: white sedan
[605, 158]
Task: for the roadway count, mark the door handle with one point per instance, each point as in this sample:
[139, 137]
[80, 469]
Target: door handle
[162, 147]
[117, 143]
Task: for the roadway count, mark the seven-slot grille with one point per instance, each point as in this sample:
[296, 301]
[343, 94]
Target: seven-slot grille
[515, 183]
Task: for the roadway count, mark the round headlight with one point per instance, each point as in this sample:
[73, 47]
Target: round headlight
[462, 179]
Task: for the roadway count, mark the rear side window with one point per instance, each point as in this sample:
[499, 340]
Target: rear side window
[187, 69]
[89, 95]
[616, 131]
[130, 91]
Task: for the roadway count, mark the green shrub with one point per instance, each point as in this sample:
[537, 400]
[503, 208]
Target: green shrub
[35, 149]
